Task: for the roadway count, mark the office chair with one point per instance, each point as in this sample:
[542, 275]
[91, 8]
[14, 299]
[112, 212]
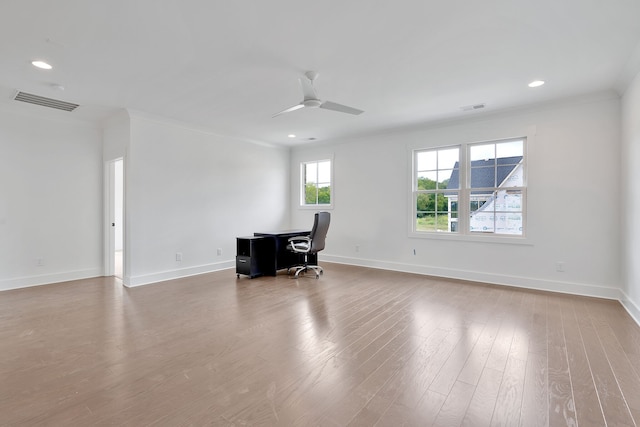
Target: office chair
[311, 244]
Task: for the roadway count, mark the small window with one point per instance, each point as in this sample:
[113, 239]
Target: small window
[316, 183]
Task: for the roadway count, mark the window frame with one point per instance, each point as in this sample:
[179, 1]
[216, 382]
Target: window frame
[465, 195]
[302, 183]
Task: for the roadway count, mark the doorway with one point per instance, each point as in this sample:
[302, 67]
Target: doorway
[115, 239]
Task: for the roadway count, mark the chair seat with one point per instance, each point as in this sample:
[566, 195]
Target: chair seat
[298, 246]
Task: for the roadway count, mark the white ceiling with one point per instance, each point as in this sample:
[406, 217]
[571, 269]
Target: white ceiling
[228, 66]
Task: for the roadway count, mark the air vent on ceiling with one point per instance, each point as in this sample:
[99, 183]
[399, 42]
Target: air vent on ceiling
[473, 107]
[45, 102]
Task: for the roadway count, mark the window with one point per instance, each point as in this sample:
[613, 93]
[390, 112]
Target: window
[470, 189]
[436, 209]
[316, 183]
[496, 182]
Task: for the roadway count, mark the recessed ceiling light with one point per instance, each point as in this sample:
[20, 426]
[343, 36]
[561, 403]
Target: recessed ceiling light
[536, 83]
[41, 64]
[291, 135]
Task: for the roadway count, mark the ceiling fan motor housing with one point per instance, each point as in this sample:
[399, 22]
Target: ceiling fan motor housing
[312, 103]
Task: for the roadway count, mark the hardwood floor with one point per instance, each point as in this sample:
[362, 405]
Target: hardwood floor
[358, 347]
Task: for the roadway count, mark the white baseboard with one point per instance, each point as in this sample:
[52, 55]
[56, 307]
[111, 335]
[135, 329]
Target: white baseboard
[147, 279]
[632, 308]
[496, 279]
[45, 279]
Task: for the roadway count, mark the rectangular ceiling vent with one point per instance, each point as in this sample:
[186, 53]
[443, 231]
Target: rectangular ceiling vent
[45, 102]
[473, 107]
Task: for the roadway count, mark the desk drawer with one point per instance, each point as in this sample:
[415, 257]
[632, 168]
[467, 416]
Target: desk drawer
[243, 265]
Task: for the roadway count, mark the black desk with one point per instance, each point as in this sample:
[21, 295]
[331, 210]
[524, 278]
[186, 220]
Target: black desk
[265, 253]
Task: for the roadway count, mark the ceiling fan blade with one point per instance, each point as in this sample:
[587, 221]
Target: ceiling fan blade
[328, 105]
[307, 88]
[290, 109]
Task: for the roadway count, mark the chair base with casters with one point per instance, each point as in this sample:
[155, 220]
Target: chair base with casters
[302, 269]
[311, 244]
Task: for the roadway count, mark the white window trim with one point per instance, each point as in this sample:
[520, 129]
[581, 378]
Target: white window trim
[301, 187]
[463, 234]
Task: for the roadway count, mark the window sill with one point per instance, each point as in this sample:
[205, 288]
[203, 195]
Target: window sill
[455, 237]
[315, 207]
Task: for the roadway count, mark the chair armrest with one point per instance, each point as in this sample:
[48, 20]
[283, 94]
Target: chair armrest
[300, 243]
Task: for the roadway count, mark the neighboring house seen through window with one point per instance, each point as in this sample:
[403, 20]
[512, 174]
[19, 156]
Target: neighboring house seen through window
[316, 183]
[470, 189]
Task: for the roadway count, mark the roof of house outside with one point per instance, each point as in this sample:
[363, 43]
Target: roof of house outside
[484, 170]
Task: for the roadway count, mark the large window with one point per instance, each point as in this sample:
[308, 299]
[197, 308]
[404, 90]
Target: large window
[470, 189]
[315, 183]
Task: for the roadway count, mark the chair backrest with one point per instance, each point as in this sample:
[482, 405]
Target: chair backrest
[319, 231]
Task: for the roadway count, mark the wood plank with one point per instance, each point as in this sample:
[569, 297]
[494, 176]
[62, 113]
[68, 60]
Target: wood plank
[483, 402]
[561, 402]
[424, 414]
[509, 401]
[614, 405]
[400, 390]
[627, 377]
[587, 402]
[535, 394]
[455, 406]
[538, 338]
[450, 371]
[475, 363]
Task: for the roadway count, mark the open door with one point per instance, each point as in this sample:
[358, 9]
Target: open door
[114, 250]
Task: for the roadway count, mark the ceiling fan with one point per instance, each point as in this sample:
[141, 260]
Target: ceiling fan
[311, 98]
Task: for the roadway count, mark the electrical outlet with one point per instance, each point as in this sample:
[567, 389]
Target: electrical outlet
[560, 266]
[219, 251]
[357, 248]
[178, 256]
[39, 262]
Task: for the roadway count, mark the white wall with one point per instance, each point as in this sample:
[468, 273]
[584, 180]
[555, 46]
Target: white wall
[193, 192]
[573, 200]
[116, 136]
[50, 198]
[630, 206]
